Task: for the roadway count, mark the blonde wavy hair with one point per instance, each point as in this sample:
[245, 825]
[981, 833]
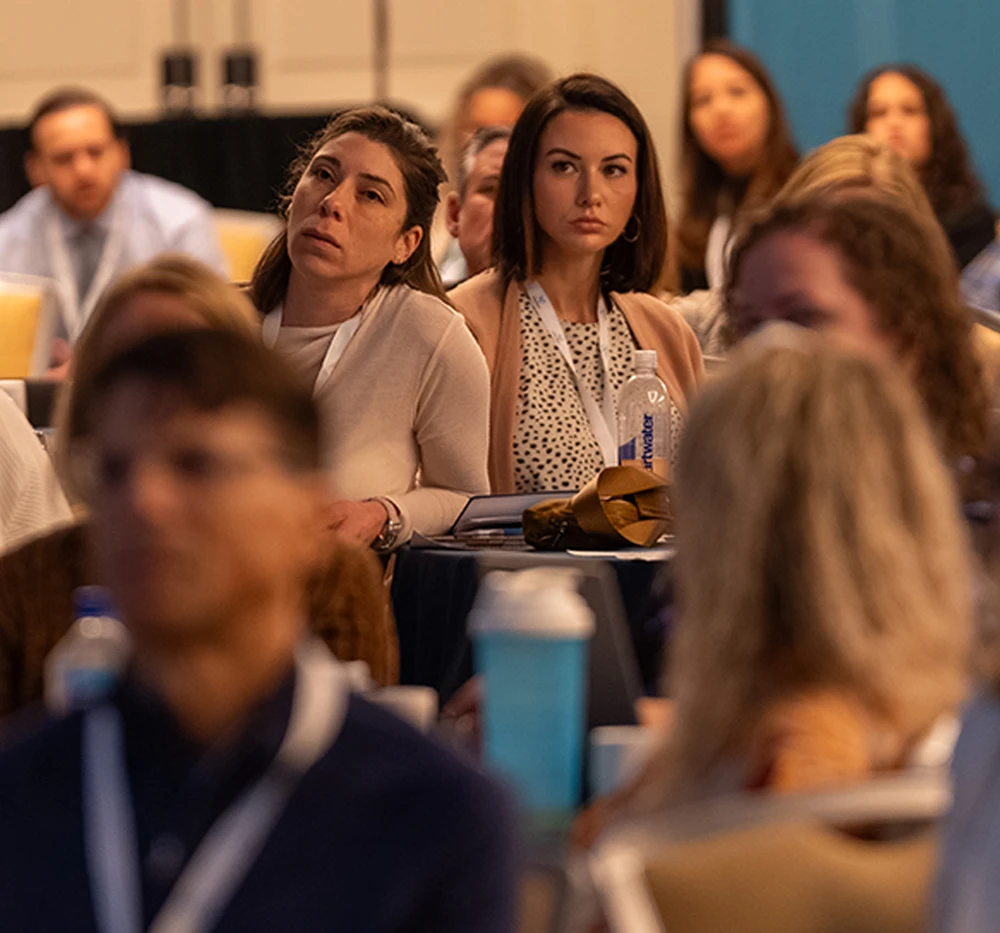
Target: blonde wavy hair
[856, 164]
[218, 303]
[819, 547]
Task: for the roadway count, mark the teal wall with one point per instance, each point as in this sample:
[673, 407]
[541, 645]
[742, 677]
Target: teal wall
[817, 51]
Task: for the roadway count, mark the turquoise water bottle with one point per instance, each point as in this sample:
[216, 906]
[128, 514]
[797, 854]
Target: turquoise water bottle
[531, 630]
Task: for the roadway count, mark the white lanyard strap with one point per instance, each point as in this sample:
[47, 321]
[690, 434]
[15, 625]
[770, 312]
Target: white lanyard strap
[603, 419]
[76, 308]
[271, 325]
[232, 845]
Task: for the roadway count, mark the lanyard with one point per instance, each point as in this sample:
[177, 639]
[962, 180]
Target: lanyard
[219, 865]
[603, 423]
[76, 308]
[271, 325]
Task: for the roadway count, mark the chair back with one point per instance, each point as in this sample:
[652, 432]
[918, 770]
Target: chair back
[793, 878]
[243, 236]
[779, 862]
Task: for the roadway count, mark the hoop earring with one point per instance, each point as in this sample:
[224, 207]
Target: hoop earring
[638, 230]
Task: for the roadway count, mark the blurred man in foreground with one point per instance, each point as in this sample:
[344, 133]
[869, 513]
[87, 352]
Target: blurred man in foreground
[232, 782]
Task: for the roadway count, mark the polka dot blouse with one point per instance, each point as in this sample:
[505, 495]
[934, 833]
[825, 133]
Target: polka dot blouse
[554, 446]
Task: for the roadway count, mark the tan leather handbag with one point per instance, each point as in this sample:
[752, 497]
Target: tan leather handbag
[620, 507]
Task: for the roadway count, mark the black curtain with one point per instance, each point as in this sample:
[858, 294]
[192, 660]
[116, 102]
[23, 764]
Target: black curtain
[714, 20]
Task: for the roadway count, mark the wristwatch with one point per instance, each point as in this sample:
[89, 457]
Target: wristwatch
[387, 537]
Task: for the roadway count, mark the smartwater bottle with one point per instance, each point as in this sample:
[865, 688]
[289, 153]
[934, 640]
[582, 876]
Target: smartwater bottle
[86, 664]
[644, 418]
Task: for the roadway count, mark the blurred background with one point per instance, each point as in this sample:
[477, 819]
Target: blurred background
[311, 57]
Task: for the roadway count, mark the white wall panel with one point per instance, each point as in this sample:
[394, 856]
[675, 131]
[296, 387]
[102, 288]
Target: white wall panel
[316, 54]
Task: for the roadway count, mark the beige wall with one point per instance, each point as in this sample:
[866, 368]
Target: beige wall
[318, 53]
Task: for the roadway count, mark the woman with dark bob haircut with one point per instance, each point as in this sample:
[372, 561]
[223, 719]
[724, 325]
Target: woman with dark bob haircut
[349, 292]
[580, 234]
[906, 109]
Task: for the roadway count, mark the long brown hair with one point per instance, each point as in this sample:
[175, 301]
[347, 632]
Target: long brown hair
[948, 176]
[630, 264]
[704, 180]
[909, 283]
[422, 174]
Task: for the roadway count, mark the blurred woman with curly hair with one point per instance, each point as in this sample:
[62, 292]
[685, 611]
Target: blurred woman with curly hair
[904, 107]
[865, 272]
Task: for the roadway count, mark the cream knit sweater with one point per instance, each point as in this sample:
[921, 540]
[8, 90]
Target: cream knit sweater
[406, 410]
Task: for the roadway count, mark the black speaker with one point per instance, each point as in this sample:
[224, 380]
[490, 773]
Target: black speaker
[179, 91]
[239, 79]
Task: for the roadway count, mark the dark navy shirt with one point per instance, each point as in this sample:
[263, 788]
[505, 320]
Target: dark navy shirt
[387, 832]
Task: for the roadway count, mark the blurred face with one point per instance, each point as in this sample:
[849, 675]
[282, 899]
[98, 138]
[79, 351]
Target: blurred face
[347, 213]
[794, 277]
[146, 314]
[75, 153]
[585, 181]
[180, 497]
[471, 218]
[490, 106]
[729, 113]
[897, 116]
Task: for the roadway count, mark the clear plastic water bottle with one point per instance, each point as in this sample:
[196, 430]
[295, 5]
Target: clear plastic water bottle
[89, 659]
[644, 418]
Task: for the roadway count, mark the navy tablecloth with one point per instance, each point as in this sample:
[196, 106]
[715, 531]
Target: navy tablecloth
[433, 591]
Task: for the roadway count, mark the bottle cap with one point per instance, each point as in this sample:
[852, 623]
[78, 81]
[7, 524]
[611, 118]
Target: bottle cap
[542, 602]
[92, 601]
[644, 361]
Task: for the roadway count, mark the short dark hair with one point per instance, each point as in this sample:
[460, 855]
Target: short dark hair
[517, 247]
[483, 137]
[423, 174]
[215, 369]
[522, 75]
[66, 98]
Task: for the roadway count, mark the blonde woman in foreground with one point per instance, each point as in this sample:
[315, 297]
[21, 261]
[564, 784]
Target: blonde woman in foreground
[822, 580]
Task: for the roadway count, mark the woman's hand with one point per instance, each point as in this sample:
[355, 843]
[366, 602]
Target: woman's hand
[357, 522]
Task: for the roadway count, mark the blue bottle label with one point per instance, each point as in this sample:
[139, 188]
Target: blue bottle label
[84, 685]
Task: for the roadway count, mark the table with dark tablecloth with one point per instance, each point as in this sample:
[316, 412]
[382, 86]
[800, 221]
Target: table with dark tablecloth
[433, 591]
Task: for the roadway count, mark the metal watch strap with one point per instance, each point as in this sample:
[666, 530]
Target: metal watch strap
[393, 524]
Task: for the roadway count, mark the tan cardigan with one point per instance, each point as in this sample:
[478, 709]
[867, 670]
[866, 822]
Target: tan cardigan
[495, 320]
[406, 411]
